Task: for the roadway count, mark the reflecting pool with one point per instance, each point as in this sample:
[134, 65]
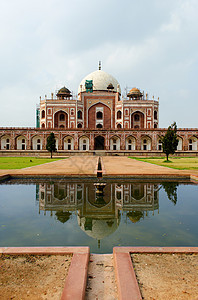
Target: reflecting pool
[99, 214]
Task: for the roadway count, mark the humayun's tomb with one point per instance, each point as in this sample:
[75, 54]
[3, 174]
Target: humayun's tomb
[100, 120]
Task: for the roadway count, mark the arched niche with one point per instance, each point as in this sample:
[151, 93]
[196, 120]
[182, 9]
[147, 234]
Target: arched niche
[68, 143]
[180, 144]
[99, 113]
[115, 143]
[192, 143]
[61, 119]
[84, 143]
[145, 143]
[37, 143]
[5, 142]
[130, 143]
[21, 143]
[137, 120]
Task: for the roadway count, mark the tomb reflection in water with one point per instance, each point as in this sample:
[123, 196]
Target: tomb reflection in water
[99, 205]
[99, 213]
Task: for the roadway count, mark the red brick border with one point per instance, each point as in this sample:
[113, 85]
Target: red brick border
[76, 280]
[128, 288]
[190, 177]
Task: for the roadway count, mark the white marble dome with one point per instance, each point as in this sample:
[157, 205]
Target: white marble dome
[100, 228]
[101, 80]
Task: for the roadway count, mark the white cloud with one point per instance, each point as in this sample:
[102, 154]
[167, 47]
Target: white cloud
[174, 24]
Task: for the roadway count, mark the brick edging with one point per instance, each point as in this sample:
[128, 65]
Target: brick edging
[128, 288]
[76, 280]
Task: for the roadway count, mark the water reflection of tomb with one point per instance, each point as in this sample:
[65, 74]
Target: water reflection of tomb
[99, 213]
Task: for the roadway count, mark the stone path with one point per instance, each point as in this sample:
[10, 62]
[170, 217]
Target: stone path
[87, 166]
[127, 166]
[101, 278]
[74, 166]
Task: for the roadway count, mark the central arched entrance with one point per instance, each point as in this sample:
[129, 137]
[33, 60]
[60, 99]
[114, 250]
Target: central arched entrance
[99, 143]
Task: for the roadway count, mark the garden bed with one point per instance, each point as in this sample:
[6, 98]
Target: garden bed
[33, 276]
[166, 276]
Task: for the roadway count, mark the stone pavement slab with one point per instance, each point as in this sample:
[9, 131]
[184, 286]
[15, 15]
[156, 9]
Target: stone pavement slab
[72, 166]
[124, 166]
[101, 282]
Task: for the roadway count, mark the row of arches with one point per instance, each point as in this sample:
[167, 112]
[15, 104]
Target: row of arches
[62, 114]
[74, 193]
[130, 143]
[61, 119]
[20, 143]
[100, 143]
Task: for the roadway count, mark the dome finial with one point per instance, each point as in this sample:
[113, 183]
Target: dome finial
[99, 68]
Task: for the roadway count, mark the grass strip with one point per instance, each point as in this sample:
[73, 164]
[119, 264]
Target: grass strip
[7, 163]
[179, 163]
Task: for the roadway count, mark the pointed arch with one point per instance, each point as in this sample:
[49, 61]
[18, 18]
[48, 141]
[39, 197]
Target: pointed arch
[180, 143]
[21, 142]
[115, 143]
[79, 114]
[83, 143]
[99, 142]
[68, 142]
[159, 143]
[146, 143]
[5, 142]
[61, 119]
[99, 113]
[119, 114]
[137, 120]
[192, 143]
[130, 143]
[36, 142]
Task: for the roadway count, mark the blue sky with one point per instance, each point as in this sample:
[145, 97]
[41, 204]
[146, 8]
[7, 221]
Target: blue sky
[152, 45]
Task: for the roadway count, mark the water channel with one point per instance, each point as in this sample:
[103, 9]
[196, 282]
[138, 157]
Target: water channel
[79, 212]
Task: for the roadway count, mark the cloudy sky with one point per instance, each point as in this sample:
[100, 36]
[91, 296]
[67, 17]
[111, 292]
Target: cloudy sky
[46, 44]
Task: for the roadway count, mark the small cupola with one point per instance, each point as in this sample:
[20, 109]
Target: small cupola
[110, 87]
[64, 93]
[135, 94]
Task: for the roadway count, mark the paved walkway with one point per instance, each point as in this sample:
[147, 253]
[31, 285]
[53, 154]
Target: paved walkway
[127, 166]
[101, 282]
[74, 166]
[87, 166]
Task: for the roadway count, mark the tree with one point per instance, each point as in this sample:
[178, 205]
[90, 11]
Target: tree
[171, 191]
[170, 141]
[51, 143]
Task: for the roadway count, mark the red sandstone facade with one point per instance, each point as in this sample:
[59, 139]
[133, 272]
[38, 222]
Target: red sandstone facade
[99, 119]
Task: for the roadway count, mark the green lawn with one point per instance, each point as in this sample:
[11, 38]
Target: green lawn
[180, 163]
[23, 162]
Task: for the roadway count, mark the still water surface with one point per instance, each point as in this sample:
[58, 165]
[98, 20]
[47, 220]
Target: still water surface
[76, 213]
